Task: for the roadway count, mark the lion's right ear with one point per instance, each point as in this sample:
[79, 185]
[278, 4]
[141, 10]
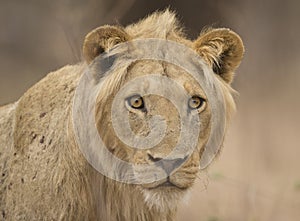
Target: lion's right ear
[102, 39]
[223, 51]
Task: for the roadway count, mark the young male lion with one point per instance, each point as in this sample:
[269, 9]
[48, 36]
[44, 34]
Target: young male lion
[46, 173]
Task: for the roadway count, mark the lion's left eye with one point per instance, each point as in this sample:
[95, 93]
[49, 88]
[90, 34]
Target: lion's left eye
[196, 102]
[136, 102]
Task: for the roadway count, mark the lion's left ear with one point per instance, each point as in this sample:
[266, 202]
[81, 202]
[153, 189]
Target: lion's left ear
[102, 39]
[222, 49]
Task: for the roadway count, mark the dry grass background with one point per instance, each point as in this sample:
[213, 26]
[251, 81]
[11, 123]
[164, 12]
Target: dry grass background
[257, 176]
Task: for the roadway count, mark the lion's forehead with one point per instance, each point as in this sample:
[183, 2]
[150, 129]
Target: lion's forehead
[171, 71]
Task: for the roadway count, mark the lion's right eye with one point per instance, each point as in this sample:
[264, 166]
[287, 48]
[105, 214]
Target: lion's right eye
[196, 102]
[136, 102]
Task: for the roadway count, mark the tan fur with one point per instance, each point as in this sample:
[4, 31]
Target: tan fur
[44, 176]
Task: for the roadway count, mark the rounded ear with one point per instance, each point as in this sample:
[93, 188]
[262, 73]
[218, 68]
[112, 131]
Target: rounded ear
[222, 49]
[102, 39]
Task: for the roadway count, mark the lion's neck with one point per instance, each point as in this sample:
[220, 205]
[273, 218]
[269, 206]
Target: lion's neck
[115, 201]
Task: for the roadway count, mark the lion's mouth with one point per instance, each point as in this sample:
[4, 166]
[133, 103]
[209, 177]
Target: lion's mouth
[167, 184]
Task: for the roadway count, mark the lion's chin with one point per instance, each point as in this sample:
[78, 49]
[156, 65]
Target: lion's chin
[163, 197]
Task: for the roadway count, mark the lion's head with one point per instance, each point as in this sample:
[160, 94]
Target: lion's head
[221, 49]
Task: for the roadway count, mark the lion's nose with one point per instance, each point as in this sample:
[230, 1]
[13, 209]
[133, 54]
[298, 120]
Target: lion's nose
[168, 165]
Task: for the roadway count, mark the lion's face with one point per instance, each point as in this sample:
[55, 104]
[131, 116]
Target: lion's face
[153, 105]
[180, 173]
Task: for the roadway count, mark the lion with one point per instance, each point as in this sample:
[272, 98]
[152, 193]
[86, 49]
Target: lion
[45, 176]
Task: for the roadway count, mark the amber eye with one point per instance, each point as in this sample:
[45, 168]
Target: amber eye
[136, 102]
[196, 102]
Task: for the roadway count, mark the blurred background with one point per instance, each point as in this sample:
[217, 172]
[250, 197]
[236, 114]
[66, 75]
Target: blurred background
[257, 176]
